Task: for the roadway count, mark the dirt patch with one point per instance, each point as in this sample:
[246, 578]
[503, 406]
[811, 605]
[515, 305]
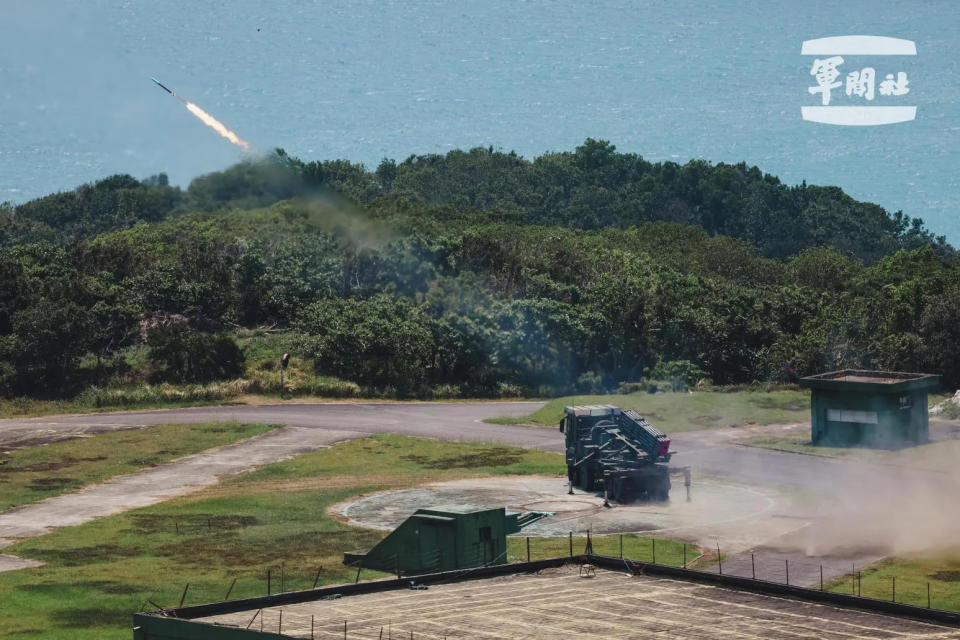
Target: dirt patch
[49, 466]
[82, 432]
[491, 457]
[707, 420]
[40, 466]
[784, 404]
[87, 618]
[143, 462]
[53, 484]
[83, 555]
[946, 576]
[149, 522]
[106, 586]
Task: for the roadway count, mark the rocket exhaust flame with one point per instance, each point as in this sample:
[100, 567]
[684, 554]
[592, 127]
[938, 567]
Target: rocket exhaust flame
[208, 119]
[217, 126]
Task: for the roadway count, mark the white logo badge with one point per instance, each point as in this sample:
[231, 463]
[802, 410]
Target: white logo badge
[856, 84]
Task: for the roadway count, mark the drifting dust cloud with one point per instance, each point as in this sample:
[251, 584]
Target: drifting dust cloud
[897, 511]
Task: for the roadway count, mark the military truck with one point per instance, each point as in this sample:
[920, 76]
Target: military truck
[615, 451]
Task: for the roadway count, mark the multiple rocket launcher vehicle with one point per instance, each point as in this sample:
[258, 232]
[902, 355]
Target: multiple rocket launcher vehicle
[618, 452]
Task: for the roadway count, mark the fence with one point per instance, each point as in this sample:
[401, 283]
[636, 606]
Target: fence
[867, 584]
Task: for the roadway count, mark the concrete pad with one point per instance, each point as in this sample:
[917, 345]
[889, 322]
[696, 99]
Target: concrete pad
[740, 516]
[12, 563]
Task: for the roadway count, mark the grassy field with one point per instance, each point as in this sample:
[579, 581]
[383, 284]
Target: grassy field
[273, 519]
[906, 579]
[676, 412]
[34, 408]
[37, 472]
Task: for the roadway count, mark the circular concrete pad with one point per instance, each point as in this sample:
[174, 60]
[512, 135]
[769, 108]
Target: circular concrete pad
[713, 504]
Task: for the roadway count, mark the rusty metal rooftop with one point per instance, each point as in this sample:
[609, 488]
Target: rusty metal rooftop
[865, 380]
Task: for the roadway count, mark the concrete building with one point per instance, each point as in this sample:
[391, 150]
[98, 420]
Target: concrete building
[883, 409]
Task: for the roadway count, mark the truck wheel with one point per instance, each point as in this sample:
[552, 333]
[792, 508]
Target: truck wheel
[586, 478]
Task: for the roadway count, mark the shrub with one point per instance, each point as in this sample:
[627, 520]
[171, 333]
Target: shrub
[181, 354]
[678, 375]
[161, 394]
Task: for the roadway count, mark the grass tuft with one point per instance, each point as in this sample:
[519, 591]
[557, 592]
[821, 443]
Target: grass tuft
[677, 412]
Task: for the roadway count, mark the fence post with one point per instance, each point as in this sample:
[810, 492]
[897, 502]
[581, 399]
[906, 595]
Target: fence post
[786, 563]
[719, 559]
[528, 548]
[230, 590]
[259, 611]
[621, 546]
[821, 577]
[753, 568]
[853, 579]
[684, 555]
[653, 549]
[859, 583]
[928, 595]
[571, 544]
[893, 594]
[280, 624]
[344, 630]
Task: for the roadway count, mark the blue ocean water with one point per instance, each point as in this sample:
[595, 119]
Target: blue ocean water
[363, 80]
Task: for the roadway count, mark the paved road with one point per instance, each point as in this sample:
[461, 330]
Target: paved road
[443, 420]
[860, 494]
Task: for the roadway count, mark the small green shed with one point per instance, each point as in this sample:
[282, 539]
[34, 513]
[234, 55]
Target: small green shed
[883, 409]
[443, 538]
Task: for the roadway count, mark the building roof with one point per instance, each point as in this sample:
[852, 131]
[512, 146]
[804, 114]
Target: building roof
[872, 381]
[553, 602]
[592, 410]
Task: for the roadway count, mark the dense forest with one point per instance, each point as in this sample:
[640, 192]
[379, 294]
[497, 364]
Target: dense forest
[475, 273]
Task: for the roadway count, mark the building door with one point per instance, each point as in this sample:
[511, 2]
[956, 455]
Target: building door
[487, 548]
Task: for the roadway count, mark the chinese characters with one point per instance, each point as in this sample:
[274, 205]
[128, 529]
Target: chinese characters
[860, 83]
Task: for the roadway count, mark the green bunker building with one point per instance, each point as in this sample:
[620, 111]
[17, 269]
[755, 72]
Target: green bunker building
[445, 538]
[881, 409]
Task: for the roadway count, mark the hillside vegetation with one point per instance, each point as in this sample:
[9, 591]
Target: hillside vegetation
[477, 273]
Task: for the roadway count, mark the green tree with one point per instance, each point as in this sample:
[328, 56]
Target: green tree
[383, 341]
[940, 333]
